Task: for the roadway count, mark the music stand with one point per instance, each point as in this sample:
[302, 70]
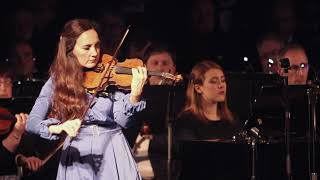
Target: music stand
[204, 160]
[270, 108]
[27, 88]
[24, 94]
[243, 89]
[301, 105]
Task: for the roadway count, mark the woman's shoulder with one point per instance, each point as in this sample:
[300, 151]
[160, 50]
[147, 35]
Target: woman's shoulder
[186, 115]
[47, 88]
[49, 83]
[186, 118]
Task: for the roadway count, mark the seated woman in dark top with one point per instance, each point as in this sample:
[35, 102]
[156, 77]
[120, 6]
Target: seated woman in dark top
[206, 114]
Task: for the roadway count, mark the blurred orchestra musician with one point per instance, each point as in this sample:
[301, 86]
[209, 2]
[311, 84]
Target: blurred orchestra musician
[6, 86]
[268, 47]
[9, 144]
[206, 114]
[299, 67]
[159, 57]
[26, 78]
[206, 118]
[297, 74]
[30, 149]
[11, 131]
[152, 138]
[292, 62]
[6, 78]
[25, 62]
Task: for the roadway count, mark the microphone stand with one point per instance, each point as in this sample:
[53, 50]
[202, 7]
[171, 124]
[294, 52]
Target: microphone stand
[253, 140]
[312, 133]
[312, 101]
[169, 120]
[253, 157]
[252, 82]
[285, 64]
[287, 127]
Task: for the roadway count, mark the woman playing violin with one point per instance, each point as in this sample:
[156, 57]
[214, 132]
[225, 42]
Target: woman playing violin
[94, 145]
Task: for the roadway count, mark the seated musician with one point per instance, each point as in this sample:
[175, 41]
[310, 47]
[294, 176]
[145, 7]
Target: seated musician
[11, 132]
[297, 78]
[268, 47]
[299, 67]
[152, 140]
[160, 58]
[157, 58]
[6, 77]
[206, 114]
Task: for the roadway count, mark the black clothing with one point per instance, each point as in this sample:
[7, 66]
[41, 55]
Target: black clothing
[7, 165]
[202, 159]
[189, 127]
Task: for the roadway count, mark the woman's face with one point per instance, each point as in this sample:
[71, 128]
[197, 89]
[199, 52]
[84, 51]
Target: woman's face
[214, 87]
[87, 48]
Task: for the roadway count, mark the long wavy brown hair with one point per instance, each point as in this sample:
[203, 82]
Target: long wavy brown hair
[193, 102]
[69, 98]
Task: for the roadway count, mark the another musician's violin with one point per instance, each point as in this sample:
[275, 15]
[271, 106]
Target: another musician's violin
[7, 120]
[119, 74]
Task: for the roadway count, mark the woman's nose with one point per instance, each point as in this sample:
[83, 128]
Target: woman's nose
[94, 51]
[220, 84]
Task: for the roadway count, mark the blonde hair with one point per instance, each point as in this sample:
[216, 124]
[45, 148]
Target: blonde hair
[193, 99]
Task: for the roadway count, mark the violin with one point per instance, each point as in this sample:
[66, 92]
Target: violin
[7, 120]
[119, 74]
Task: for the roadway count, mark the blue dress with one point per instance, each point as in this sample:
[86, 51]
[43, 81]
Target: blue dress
[100, 150]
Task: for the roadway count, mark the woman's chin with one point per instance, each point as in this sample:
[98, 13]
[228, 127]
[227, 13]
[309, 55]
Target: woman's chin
[90, 65]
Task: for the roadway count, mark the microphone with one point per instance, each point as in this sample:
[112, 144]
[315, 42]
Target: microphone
[285, 64]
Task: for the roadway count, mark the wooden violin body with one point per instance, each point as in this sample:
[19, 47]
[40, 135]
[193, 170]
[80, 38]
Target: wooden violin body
[7, 120]
[118, 73]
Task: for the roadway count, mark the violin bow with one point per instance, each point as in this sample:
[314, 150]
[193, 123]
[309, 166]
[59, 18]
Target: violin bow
[105, 71]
